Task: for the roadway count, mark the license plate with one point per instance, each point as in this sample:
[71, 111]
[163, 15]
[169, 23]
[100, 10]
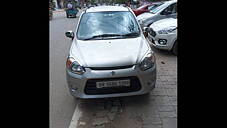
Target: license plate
[108, 84]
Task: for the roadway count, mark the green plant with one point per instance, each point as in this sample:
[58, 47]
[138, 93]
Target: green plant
[92, 1]
[122, 1]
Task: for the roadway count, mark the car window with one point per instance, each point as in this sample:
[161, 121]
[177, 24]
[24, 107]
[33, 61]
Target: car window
[175, 9]
[170, 7]
[152, 7]
[107, 23]
[157, 9]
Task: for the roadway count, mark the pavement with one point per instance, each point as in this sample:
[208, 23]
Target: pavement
[156, 110]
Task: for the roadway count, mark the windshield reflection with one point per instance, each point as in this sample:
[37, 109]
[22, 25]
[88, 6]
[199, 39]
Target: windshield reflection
[113, 24]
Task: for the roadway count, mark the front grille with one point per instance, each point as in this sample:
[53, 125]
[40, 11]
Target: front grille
[152, 32]
[90, 87]
[111, 68]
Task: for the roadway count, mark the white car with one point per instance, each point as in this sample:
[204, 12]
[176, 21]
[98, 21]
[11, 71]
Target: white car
[163, 34]
[109, 55]
[167, 10]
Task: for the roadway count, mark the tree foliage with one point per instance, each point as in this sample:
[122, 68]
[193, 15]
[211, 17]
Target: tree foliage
[122, 1]
[153, 0]
[92, 1]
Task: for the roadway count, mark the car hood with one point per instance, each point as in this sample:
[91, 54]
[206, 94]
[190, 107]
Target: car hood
[109, 53]
[164, 23]
[144, 16]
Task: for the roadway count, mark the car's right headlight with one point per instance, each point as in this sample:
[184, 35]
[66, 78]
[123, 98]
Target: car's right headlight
[74, 66]
[148, 62]
[167, 30]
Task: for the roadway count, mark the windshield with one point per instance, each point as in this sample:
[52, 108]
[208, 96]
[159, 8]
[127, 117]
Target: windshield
[143, 6]
[157, 9]
[103, 25]
[152, 7]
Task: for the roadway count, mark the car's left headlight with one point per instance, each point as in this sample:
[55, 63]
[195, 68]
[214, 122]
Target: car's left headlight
[167, 30]
[148, 62]
[74, 66]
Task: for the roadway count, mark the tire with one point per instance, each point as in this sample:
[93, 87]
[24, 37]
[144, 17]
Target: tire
[67, 15]
[76, 98]
[174, 50]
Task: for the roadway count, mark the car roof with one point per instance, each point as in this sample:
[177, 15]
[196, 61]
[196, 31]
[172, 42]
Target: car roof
[107, 8]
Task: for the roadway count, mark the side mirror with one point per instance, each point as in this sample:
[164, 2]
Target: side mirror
[69, 34]
[145, 31]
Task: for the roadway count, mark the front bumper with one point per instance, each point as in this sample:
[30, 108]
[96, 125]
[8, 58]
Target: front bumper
[146, 78]
[170, 38]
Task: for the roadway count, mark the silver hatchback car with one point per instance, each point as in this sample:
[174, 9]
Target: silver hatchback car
[109, 55]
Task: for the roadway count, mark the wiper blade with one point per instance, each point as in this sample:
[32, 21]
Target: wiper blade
[131, 34]
[102, 35]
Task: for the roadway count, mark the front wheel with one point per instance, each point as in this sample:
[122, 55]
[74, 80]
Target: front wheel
[76, 99]
[175, 48]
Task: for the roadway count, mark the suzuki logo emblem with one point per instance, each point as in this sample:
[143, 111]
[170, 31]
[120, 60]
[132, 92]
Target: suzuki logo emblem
[113, 73]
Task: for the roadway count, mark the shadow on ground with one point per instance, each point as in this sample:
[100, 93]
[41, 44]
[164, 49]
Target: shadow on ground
[133, 112]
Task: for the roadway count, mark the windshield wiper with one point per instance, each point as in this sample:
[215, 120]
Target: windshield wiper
[131, 34]
[102, 35]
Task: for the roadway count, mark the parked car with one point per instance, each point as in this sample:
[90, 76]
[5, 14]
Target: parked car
[109, 55]
[72, 12]
[146, 8]
[163, 34]
[166, 10]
